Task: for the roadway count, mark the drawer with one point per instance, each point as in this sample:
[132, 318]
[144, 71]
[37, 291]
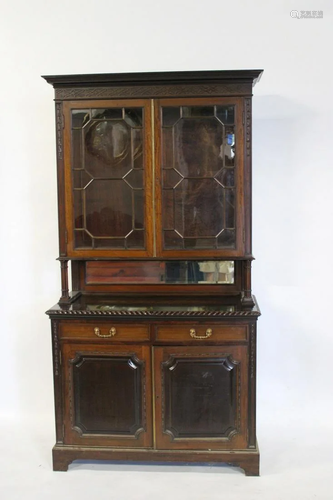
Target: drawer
[106, 331]
[201, 332]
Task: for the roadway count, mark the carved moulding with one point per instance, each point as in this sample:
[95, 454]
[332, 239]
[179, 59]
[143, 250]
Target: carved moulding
[227, 362]
[153, 91]
[78, 360]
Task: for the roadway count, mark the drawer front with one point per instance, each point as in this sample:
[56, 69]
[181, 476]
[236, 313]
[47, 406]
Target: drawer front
[201, 332]
[106, 331]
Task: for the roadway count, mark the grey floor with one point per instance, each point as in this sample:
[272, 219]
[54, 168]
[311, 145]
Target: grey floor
[297, 463]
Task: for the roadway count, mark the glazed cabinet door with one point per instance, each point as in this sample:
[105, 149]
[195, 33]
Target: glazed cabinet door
[107, 160]
[107, 395]
[199, 172]
[201, 397]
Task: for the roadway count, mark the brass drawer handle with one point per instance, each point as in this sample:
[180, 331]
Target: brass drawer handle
[112, 332]
[193, 333]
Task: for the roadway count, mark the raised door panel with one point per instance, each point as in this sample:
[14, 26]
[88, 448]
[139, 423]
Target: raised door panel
[201, 397]
[107, 395]
[199, 174]
[108, 178]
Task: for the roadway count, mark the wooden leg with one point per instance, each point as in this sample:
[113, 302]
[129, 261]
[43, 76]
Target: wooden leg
[64, 455]
[60, 461]
[251, 468]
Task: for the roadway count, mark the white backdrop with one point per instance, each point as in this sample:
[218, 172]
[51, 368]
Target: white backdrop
[292, 177]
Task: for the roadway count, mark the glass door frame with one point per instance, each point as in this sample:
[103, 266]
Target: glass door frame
[238, 251]
[68, 106]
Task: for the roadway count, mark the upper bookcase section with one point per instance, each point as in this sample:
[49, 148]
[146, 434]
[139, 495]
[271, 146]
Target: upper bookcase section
[155, 165]
[155, 85]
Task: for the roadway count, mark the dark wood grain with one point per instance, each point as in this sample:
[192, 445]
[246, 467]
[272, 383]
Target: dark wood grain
[99, 413]
[248, 460]
[147, 369]
[60, 177]
[154, 78]
[199, 358]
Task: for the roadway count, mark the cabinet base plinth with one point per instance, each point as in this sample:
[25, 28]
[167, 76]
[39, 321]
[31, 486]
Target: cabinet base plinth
[248, 460]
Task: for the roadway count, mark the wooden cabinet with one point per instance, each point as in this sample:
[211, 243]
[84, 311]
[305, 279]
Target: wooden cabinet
[107, 395]
[154, 346]
[199, 399]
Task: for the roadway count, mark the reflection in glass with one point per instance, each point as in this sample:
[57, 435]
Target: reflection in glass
[157, 308]
[226, 114]
[107, 114]
[197, 111]
[170, 116]
[108, 178]
[133, 117]
[198, 177]
[170, 272]
[80, 117]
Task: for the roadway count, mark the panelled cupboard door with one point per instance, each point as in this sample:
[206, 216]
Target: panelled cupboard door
[107, 395]
[108, 172]
[201, 397]
[199, 164]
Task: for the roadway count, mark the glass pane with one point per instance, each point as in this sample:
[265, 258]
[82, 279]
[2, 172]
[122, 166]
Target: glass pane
[78, 202]
[226, 239]
[81, 179]
[229, 208]
[197, 111]
[170, 116]
[135, 179]
[107, 148]
[107, 114]
[108, 177]
[133, 117]
[80, 117]
[108, 208]
[111, 243]
[136, 239]
[77, 149]
[167, 148]
[226, 114]
[168, 210]
[198, 147]
[226, 177]
[229, 147]
[199, 243]
[171, 178]
[198, 177]
[82, 239]
[199, 208]
[137, 147]
[138, 209]
[172, 240]
[172, 272]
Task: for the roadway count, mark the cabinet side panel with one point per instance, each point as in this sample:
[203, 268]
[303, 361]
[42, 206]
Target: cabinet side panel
[252, 441]
[248, 174]
[57, 377]
[60, 178]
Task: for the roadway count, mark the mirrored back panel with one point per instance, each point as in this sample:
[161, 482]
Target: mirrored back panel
[181, 272]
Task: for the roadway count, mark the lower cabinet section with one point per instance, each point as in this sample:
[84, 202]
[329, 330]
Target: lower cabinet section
[108, 395]
[138, 401]
[199, 399]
